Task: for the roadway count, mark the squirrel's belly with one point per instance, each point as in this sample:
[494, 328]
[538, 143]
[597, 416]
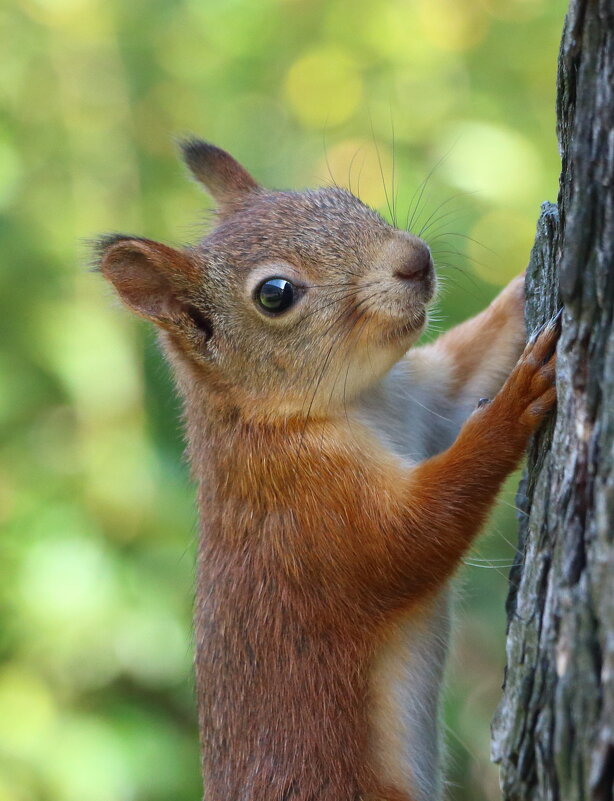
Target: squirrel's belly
[405, 686]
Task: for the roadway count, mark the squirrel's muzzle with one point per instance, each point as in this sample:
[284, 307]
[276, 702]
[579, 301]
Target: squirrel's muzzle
[417, 263]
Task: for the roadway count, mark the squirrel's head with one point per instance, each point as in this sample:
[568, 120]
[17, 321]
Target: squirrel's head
[293, 304]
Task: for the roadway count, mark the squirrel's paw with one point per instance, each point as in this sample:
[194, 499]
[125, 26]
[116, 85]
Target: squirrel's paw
[529, 393]
[511, 300]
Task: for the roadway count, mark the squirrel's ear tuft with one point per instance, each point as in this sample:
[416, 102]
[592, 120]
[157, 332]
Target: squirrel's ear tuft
[151, 279]
[221, 175]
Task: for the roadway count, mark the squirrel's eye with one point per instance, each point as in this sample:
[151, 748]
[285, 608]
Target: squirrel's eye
[275, 295]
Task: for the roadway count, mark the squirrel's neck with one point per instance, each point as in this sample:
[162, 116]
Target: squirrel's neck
[228, 445]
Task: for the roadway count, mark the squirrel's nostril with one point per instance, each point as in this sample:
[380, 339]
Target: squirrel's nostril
[415, 266]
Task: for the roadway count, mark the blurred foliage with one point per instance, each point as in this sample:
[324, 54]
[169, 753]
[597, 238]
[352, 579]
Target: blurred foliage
[98, 526]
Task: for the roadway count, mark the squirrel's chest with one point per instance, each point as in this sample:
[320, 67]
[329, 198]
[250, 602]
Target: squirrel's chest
[414, 420]
[410, 416]
[406, 680]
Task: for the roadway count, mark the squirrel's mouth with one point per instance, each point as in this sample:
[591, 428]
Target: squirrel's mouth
[410, 327]
[416, 324]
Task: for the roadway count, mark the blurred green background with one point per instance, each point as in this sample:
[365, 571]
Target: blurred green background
[97, 517]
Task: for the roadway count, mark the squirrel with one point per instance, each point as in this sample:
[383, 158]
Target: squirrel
[341, 474]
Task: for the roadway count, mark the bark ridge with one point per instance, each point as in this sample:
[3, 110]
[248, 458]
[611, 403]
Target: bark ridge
[553, 734]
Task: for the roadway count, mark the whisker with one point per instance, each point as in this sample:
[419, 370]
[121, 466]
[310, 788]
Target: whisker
[345, 411]
[461, 212]
[489, 560]
[439, 207]
[351, 165]
[462, 255]
[461, 742]
[393, 190]
[381, 170]
[307, 415]
[351, 292]
[420, 189]
[409, 224]
[514, 507]
[454, 214]
[336, 322]
[364, 158]
[362, 319]
[337, 343]
[462, 236]
[328, 167]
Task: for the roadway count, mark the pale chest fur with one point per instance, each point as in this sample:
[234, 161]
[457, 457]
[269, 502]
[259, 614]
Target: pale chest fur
[411, 416]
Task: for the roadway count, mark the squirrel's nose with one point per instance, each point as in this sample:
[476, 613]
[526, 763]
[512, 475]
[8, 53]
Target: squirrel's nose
[416, 265]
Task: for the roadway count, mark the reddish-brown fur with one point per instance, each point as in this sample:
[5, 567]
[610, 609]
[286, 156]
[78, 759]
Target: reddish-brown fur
[315, 538]
[305, 593]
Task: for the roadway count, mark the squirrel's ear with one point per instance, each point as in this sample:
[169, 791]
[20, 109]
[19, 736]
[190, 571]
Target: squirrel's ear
[221, 175]
[154, 280]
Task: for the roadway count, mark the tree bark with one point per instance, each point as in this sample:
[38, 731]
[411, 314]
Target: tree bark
[553, 735]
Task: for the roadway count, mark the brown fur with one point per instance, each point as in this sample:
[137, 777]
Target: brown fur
[315, 536]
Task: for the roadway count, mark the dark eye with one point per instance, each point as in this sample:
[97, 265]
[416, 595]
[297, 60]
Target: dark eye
[276, 295]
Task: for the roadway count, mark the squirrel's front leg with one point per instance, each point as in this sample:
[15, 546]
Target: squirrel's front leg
[477, 356]
[449, 495]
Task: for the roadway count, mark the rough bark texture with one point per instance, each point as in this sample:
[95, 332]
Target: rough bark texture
[554, 732]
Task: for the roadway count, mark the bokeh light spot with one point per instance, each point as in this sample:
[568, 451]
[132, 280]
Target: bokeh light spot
[153, 648]
[454, 25]
[496, 162]
[27, 711]
[363, 167]
[324, 87]
[97, 514]
[508, 236]
[94, 356]
[88, 761]
[10, 171]
[80, 601]
[514, 10]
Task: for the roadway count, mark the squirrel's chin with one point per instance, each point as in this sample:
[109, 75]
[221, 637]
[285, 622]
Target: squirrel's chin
[409, 328]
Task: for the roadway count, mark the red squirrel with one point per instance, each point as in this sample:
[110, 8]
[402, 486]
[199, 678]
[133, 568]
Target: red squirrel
[341, 477]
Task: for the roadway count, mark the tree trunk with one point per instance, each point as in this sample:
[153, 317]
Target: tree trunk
[554, 731]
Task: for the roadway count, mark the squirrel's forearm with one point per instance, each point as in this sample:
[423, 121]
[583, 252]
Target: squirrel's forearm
[480, 352]
[448, 496]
